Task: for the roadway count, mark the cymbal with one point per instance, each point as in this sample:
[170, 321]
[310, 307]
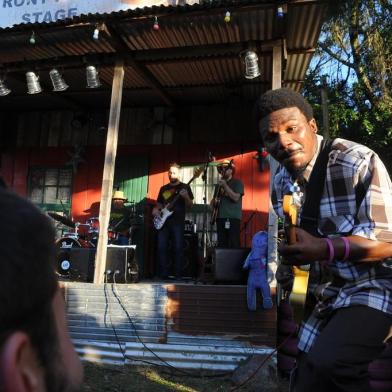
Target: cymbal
[62, 219]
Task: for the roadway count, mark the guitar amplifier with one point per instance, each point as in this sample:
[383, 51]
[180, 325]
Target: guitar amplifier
[227, 265]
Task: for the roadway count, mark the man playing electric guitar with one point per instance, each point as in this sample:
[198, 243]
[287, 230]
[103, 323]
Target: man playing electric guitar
[345, 236]
[173, 228]
[227, 206]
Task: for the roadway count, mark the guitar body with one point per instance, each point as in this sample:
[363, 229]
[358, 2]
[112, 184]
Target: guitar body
[298, 293]
[160, 219]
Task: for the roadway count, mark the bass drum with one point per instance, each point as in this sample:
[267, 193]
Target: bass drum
[63, 259]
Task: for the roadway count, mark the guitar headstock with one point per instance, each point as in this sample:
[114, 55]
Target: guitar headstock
[197, 171]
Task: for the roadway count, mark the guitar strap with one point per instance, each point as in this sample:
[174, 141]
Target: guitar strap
[314, 190]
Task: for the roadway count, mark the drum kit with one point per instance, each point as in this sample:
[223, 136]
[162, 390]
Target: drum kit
[83, 235]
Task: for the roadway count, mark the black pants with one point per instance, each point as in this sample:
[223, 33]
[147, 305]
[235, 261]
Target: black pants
[339, 359]
[228, 238]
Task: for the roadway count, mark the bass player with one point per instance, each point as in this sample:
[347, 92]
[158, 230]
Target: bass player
[227, 206]
[173, 228]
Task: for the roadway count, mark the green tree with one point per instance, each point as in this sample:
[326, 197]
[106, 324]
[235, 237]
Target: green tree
[353, 62]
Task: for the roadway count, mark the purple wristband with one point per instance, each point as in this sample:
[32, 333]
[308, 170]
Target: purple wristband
[346, 248]
[331, 251]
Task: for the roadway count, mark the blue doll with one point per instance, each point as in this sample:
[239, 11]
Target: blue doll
[256, 263]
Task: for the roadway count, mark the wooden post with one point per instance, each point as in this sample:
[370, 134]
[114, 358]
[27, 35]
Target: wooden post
[108, 171]
[272, 217]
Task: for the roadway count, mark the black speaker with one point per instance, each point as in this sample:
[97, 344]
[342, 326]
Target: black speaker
[122, 262]
[76, 264]
[227, 265]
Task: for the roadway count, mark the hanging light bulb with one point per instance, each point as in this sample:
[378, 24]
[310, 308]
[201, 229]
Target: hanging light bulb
[92, 77]
[279, 12]
[251, 65]
[3, 89]
[32, 38]
[96, 33]
[227, 17]
[156, 23]
[33, 86]
[57, 80]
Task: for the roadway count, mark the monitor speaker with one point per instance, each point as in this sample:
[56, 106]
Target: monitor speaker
[76, 264]
[122, 262]
[227, 265]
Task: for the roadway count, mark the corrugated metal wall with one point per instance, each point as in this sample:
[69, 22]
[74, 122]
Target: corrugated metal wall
[190, 326]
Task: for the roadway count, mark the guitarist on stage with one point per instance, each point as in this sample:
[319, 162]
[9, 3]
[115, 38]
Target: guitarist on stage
[227, 206]
[173, 228]
[350, 275]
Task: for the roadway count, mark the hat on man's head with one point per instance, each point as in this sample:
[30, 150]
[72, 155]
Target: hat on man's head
[223, 165]
[119, 195]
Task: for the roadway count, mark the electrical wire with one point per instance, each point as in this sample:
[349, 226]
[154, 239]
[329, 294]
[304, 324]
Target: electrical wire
[166, 364]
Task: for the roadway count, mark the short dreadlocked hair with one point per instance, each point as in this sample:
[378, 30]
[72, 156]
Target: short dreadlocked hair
[282, 98]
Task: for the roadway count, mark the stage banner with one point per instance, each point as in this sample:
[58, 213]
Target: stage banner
[13, 12]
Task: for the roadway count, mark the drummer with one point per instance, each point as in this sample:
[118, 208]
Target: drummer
[120, 216]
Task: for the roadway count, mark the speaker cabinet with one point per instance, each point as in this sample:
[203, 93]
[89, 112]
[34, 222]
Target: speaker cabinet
[121, 259]
[76, 264]
[227, 265]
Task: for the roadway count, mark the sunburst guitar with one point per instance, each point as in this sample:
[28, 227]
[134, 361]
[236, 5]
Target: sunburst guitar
[298, 293]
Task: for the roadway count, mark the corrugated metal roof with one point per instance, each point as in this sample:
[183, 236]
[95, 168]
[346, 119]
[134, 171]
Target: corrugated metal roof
[194, 56]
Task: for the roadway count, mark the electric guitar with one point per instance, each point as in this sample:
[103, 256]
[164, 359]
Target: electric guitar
[164, 213]
[299, 290]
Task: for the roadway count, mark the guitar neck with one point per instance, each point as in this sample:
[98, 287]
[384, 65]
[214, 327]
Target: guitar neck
[176, 197]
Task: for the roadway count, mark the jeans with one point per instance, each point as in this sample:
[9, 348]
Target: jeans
[173, 232]
[339, 359]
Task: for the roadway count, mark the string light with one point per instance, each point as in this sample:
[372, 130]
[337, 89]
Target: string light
[57, 80]
[251, 65]
[33, 85]
[156, 23]
[4, 90]
[279, 12]
[227, 17]
[32, 38]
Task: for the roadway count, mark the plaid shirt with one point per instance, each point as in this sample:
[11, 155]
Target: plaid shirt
[343, 212]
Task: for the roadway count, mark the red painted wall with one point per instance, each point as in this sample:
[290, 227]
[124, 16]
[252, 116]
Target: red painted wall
[87, 180]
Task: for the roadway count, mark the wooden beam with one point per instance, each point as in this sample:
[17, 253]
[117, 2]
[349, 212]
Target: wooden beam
[108, 172]
[276, 67]
[122, 48]
[272, 217]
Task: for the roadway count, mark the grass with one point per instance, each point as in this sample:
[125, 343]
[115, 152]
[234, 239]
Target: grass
[104, 378]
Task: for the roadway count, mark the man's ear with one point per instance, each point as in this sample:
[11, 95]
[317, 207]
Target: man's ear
[313, 125]
[19, 367]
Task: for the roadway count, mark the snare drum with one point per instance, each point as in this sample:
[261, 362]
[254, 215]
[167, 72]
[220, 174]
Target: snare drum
[93, 225]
